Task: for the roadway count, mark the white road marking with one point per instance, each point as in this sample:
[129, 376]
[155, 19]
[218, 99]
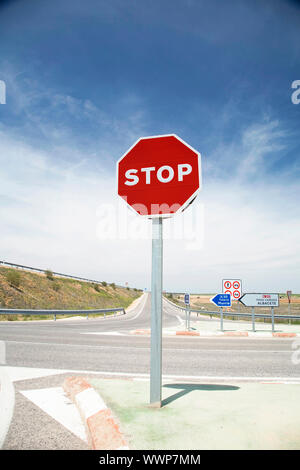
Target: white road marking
[108, 333]
[7, 403]
[143, 302]
[56, 404]
[288, 380]
[167, 309]
[87, 346]
[27, 373]
[22, 373]
[181, 321]
[167, 349]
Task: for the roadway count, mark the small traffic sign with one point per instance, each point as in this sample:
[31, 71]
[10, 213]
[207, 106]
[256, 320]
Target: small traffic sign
[221, 300]
[232, 287]
[260, 300]
[187, 299]
[289, 295]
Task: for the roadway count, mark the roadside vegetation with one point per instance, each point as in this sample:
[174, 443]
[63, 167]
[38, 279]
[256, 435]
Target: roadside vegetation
[24, 289]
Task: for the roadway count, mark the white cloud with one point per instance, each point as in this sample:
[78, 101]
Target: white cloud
[52, 201]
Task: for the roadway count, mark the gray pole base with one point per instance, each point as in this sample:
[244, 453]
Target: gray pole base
[156, 404]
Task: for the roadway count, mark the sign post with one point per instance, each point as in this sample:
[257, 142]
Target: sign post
[221, 300]
[221, 317]
[187, 311]
[261, 300]
[289, 296]
[158, 177]
[156, 312]
[253, 319]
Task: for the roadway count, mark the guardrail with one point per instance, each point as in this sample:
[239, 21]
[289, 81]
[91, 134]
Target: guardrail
[19, 311]
[235, 314]
[68, 276]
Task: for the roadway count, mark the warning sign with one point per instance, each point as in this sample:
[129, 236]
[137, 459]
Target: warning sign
[232, 287]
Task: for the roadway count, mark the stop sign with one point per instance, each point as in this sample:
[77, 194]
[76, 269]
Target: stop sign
[159, 175]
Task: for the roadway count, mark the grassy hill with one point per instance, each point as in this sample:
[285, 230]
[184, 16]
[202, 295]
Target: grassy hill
[24, 289]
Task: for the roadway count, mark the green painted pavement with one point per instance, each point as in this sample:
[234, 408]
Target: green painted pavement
[205, 416]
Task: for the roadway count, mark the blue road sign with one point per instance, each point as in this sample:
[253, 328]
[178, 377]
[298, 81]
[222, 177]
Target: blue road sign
[187, 299]
[222, 300]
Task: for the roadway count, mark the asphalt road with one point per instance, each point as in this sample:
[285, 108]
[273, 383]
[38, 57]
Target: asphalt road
[107, 346]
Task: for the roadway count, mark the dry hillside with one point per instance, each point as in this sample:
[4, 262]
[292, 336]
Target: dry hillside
[24, 289]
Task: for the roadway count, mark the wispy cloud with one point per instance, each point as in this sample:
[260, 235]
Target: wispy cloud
[251, 153]
[57, 166]
[44, 113]
[50, 217]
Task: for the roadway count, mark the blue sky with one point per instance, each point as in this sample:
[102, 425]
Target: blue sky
[84, 80]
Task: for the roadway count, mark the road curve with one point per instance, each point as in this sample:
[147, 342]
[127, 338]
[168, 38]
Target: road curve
[107, 345]
[40, 354]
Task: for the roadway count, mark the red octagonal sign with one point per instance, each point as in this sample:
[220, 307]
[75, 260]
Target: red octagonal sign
[159, 176]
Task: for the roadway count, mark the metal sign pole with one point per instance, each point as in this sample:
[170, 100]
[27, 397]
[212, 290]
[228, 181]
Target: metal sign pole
[272, 310]
[221, 318]
[156, 313]
[187, 317]
[253, 319]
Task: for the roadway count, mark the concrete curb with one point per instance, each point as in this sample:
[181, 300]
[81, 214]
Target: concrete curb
[284, 335]
[209, 334]
[102, 430]
[187, 333]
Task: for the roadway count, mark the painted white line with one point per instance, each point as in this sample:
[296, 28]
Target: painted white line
[166, 350]
[26, 373]
[134, 305]
[192, 377]
[86, 346]
[170, 310]
[107, 333]
[77, 317]
[56, 404]
[142, 306]
[7, 403]
[16, 372]
[181, 321]
[232, 351]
